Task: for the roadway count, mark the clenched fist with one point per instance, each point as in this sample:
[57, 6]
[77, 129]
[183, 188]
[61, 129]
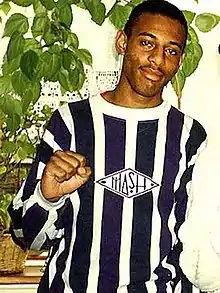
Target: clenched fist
[65, 172]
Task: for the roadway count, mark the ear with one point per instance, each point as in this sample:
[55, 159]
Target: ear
[121, 42]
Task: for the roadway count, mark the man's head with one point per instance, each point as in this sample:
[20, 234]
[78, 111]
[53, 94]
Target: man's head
[155, 7]
[152, 43]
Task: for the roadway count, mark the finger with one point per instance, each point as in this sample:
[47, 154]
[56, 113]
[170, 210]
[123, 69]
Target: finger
[70, 158]
[84, 172]
[60, 169]
[77, 156]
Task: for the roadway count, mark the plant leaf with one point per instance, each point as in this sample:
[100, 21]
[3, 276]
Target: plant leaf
[189, 15]
[193, 55]
[68, 59]
[5, 84]
[39, 8]
[11, 66]
[51, 64]
[17, 22]
[20, 82]
[5, 7]
[40, 25]
[13, 123]
[178, 82]
[63, 77]
[97, 10]
[72, 40]
[66, 15]
[74, 78]
[23, 3]
[205, 22]
[119, 16]
[84, 55]
[49, 4]
[15, 46]
[28, 64]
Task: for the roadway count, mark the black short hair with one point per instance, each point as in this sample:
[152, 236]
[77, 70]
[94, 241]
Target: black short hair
[161, 7]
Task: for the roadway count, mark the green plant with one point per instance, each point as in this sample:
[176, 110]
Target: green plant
[5, 220]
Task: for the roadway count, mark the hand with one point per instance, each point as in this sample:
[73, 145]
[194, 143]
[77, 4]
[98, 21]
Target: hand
[65, 172]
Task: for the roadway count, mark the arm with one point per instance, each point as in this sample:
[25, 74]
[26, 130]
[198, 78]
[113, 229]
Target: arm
[200, 259]
[38, 209]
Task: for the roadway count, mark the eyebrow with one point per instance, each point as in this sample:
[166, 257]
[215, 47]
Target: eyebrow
[154, 37]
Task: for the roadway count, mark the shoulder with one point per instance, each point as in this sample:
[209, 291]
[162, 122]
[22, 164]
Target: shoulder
[190, 124]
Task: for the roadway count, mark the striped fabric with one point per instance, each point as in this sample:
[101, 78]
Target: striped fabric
[118, 232]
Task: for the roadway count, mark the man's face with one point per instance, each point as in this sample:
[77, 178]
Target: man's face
[152, 54]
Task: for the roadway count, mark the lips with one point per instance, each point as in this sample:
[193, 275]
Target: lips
[152, 74]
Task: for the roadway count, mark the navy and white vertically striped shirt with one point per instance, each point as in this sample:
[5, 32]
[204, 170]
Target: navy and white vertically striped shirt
[118, 233]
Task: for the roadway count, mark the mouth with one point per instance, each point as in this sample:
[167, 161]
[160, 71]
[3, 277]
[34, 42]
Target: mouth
[152, 74]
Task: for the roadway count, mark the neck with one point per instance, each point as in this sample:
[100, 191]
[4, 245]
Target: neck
[125, 96]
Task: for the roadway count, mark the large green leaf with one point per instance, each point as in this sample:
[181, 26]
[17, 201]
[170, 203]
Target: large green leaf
[120, 15]
[17, 22]
[68, 59]
[11, 66]
[206, 21]
[97, 10]
[66, 15]
[191, 61]
[28, 64]
[20, 82]
[13, 123]
[5, 84]
[178, 83]
[15, 46]
[41, 25]
[51, 64]
[74, 78]
[23, 3]
[192, 37]
[49, 4]
[189, 15]
[63, 77]
[84, 55]
[38, 7]
[72, 40]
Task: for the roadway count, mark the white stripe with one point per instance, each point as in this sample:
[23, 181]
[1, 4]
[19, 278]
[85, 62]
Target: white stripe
[74, 198]
[75, 201]
[49, 139]
[98, 198]
[127, 214]
[68, 120]
[52, 266]
[156, 219]
[184, 137]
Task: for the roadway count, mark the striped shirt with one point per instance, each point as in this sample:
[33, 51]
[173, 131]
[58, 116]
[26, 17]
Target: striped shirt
[118, 233]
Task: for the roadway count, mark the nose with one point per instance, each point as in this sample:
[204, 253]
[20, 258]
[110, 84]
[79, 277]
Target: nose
[157, 56]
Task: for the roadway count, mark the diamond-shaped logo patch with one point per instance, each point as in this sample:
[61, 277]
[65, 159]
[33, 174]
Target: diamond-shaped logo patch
[128, 183]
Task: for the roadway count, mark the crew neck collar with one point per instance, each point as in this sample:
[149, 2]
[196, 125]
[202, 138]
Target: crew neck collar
[125, 112]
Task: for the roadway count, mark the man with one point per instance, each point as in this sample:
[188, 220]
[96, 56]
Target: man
[107, 192]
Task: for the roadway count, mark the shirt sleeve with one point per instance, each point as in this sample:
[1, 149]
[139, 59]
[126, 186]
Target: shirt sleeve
[36, 222]
[200, 233]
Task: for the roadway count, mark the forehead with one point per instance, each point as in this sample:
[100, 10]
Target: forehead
[159, 25]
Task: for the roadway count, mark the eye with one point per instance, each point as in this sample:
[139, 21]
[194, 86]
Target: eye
[172, 52]
[146, 43]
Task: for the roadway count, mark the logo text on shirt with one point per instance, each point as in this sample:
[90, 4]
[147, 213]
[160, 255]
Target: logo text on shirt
[128, 183]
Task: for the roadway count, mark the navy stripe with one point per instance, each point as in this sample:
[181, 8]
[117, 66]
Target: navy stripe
[137, 288]
[143, 205]
[65, 219]
[112, 208]
[166, 199]
[30, 229]
[63, 136]
[84, 136]
[43, 155]
[197, 136]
